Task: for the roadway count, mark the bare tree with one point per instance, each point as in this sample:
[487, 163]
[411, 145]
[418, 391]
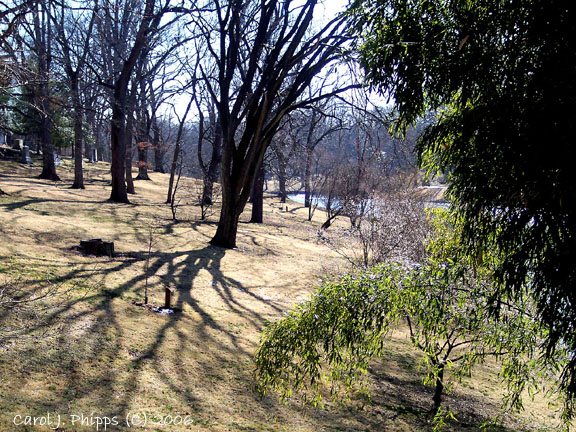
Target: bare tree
[73, 29]
[391, 225]
[284, 147]
[27, 44]
[177, 152]
[267, 54]
[126, 30]
[258, 195]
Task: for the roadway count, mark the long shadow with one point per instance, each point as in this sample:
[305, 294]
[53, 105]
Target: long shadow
[104, 321]
[22, 204]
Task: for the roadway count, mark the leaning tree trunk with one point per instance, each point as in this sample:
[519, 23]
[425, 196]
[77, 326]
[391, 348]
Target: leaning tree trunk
[258, 196]
[175, 158]
[236, 189]
[173, 171]
[78, 139]
[437, 398]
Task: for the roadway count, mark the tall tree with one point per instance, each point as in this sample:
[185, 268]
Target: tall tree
[27, 42]
[126, 31]
[284, 146]
[212, 134]
[267, 53]
[501, 72]
[73, 34]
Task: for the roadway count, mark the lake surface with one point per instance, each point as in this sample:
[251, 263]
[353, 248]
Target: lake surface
[299, 198]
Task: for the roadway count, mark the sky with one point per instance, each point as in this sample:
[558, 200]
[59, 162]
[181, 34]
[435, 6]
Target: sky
[329, 8]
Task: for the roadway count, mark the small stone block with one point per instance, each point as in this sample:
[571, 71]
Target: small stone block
[97, 247]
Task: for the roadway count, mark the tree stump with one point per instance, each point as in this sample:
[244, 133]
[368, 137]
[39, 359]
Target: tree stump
[97, 247]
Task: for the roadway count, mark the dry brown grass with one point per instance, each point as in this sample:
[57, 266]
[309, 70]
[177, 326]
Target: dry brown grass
[107, 357]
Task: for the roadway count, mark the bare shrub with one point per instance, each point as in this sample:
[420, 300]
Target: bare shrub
[207, 207]
[388, 224]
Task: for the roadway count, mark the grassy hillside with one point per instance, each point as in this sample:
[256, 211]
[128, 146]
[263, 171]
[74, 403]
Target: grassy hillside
[103, 356]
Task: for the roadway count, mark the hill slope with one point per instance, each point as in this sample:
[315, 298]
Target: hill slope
[103, 356]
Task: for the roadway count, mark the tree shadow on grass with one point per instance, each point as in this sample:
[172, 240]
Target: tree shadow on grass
[107, 340]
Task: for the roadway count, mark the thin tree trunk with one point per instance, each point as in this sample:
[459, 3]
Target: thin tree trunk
[78, 139]
[128, 161]
[142, 136]
[211, 174]
[157, 146]
[307, 178]
[143, 161]
[173, 171]
[142, 143]
[282, 180]
[170, 196]
[119, 192]
[439, 389]
[258, 196]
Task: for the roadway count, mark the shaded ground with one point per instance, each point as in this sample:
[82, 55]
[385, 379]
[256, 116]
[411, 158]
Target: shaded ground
[104, 357]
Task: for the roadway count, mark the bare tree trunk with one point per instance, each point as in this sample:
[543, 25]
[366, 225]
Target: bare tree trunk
[213, 168]
[258, 196]
[207, 192]
[157, 146]
[78, 139]
[439, 389]
[128, 139]
[228, 223]
[48, 165]
[118, 138]
[264, 96]
[42, 44]
[142, 144]
[142, 134]
[143, 161]
[173, 171]
[307, 178]
[170, 197]
[282, 162]
[118, 144]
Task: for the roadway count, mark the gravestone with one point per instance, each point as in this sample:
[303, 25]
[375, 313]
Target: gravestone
[97, 247]
[18, 144]
[25, 156]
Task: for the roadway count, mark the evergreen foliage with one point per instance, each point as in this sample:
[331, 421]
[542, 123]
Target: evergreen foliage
[500, 75]
[331, 338]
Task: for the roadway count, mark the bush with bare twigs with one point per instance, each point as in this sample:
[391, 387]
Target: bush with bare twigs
[385, 224]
